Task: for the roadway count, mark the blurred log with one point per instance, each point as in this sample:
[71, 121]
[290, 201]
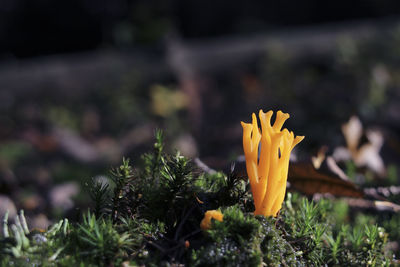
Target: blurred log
[77, 73]
[192, 61]
[222, 53]
[72, 75]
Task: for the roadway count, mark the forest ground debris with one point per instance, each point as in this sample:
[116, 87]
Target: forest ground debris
[153, 213]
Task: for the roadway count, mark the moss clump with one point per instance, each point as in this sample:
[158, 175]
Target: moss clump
[276, 249]
[151, 216]
[235, 241]
[244, 240]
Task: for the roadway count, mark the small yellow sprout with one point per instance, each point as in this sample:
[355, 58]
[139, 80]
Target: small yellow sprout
[267, 170]
[210, 214]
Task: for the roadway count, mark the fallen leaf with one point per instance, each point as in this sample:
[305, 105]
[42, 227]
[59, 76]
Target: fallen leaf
[366, 155]
[317, 160]
[352, 132]
[303, 177]
[309, 180]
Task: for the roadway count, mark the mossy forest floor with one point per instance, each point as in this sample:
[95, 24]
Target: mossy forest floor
[150, 215]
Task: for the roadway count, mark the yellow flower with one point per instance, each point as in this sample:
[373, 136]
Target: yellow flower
[268, 172]
[210, 214]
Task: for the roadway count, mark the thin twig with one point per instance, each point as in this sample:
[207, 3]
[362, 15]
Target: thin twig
[192, 233]
[157, 246]
[203, 166]
[182, 222]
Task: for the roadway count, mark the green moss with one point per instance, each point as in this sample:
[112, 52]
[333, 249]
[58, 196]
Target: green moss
[233, 242]
[151, 216]
[276, 250]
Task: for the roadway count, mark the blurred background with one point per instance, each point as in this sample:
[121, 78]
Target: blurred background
[84, 83]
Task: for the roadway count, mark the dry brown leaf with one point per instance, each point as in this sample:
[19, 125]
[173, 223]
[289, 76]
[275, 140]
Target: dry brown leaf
[305, 178]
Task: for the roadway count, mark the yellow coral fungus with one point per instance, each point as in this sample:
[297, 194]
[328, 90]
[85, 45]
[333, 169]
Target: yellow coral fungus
[210, 214]
[268, 169]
